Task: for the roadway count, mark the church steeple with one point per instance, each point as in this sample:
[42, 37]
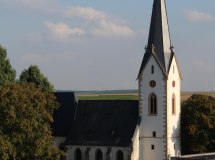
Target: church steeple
[159, 43]
[159, 83]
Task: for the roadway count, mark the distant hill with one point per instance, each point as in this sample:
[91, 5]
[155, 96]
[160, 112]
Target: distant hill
[186, 95]
[124, 94]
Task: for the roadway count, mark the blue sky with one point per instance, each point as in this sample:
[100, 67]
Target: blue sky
[99, 44]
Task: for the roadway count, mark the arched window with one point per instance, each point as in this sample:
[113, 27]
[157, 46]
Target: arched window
[152, 104]
[98, 155]
[173, 104]
[77, 154]
[119, 155]
[152, 69]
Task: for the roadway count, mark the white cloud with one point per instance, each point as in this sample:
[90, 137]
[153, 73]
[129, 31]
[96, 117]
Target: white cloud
[90, 21]
[196, 16]
[62, 30]
[111, 29]
[99, 23]
[84, 12]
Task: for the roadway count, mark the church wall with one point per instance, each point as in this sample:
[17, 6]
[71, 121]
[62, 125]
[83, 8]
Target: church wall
[58, 141]
[150, 124]
[135, 146]
[173, 121]
[108, 153]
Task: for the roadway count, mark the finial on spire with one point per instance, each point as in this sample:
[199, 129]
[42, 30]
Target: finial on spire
[153, 48]
[172, 48]
[145, 48]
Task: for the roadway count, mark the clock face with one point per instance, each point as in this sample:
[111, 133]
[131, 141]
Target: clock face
[173, 83]
[152, 83]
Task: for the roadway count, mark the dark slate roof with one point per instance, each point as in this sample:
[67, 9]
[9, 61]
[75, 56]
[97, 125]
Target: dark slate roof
[64, 115]
[159, 43]
[104, 123]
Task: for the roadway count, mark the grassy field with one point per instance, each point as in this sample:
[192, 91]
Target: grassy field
[184, 96]
[108, 97]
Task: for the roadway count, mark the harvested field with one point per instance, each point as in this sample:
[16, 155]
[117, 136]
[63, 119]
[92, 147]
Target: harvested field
[129, 96]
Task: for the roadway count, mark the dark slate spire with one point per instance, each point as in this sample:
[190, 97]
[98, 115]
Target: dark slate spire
[159, 43]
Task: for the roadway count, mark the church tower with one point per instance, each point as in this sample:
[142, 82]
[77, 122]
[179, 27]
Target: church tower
[159, 82]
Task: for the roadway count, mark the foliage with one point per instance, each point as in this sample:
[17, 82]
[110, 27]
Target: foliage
[6, 148]
[198, 124]
[25, 116]
[7, 73]
[34, 75]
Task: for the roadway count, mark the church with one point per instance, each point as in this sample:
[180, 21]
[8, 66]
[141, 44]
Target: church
[144, 129]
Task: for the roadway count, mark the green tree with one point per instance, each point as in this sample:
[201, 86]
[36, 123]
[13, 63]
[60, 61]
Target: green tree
[25, 115]
[34, 75]
[6, 149]
[198, 124]
[7, 73]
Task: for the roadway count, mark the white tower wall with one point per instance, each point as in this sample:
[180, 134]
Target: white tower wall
[149, 123]
[173, 119]
[166, 123]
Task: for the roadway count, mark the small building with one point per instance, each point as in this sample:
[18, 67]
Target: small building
[204, 156]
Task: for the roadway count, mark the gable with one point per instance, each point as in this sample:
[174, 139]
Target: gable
[64, 115]
[146, 69]
[174, 66]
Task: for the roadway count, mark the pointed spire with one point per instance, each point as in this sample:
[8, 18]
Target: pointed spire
[159, 42]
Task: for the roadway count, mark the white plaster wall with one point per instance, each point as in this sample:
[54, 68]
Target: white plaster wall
[173, 120]
[152, 123]
[135, 146]
[157, 153]
[93, 149]
[58, 141]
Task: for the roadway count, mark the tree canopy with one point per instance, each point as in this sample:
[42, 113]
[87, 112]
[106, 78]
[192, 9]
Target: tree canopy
[25, 116]
[198, 124]
[7, 73]
[34, 75]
